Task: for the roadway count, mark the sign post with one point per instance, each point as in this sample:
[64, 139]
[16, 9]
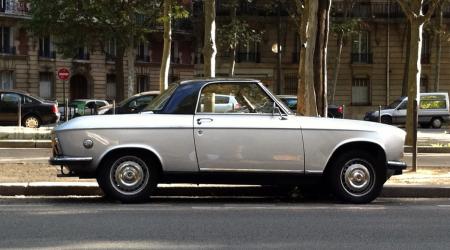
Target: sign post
[64, 75]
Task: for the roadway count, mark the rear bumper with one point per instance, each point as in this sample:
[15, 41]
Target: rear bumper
[396, 167]
[70, 161]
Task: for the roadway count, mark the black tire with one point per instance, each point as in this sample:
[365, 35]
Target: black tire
[356, 177]
[129, 178]
[386, 120]
[31, 121]
[436, 122]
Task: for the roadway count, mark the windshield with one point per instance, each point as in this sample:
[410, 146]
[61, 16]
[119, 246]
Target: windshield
[158, 103]
[394, 104]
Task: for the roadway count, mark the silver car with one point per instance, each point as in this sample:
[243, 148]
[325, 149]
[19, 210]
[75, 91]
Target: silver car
[181, 136]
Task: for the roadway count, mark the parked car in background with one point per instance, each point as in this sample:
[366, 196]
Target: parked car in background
[433, 111]
[80, 107]
[131, 105]
[334, 111]
[182, 136]
[35, 110]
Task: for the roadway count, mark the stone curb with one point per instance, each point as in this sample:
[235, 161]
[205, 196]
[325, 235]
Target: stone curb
[91, 189]
[423, 149]
[25, 144]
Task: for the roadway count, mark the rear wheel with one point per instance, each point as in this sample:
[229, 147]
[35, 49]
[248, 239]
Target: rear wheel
[128, 178]
[356, 178]
[31, 122]
[436, 122]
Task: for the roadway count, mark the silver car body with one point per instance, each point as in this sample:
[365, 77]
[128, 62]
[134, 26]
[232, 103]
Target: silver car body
[223, 142]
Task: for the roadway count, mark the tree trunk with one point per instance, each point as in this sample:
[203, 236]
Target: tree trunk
[165, 63]
[437, 71]
[209, 48]
[407, 62]
[233, 47]
[120, 76]
[320, 62]
[131, 57]
[337, 65]
[305, 94]
[413, 76]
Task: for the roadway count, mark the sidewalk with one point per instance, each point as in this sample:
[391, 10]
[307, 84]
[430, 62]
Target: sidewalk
[27, 179]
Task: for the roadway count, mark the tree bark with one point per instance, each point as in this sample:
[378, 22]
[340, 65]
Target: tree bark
[413, 76]
[308, 33]
[406, 69]
[131, 58]
[165, 63]
[120, 76]
[337, 64]
[209, 47]
[233, 46]
[320, 58]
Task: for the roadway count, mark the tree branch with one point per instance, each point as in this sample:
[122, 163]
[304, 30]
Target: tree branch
[406, 9]
[431, 8]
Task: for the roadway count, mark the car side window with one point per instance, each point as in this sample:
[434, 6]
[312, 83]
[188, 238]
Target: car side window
[403, 105]
[234, 98]
[10, 98]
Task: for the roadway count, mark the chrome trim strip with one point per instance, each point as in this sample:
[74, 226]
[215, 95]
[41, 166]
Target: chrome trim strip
[314, 172]
[249, 170]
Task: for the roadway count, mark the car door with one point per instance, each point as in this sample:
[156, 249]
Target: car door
[248, 136]
[399, 114]
[9, 107]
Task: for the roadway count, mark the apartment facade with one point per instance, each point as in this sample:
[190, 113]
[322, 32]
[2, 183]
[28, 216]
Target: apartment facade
[30, 63]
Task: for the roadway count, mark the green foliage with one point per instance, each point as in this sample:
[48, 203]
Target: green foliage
[77, 23]
[237, 32]
[346, 28]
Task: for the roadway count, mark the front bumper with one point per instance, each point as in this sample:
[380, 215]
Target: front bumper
[396, 167]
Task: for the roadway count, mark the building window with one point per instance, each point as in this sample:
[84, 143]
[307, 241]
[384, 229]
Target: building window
[141, 83]
[248, 53]
[6, 41]
[426, 49]
[361, 48]
[361, 91]
[7, 80]
[46, 48]
[82, 54]
[111, 50]
[142, 52]
[110, 86]
[46, 85]
[423, 84]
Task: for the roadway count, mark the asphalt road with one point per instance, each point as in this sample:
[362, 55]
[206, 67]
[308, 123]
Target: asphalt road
[194, 223]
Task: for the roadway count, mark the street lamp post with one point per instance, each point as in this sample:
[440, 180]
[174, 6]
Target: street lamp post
[279, 49]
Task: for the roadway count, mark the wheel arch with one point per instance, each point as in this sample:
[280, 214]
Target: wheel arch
[369, 146]
[149, 154]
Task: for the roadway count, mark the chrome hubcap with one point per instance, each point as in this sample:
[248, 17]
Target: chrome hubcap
[129, 176]
[31, 122]
[357, 178]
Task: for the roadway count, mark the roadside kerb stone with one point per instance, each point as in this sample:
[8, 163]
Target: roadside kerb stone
[22, 133]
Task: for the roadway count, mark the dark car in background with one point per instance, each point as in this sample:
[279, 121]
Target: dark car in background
[35, 110]
[334, 111]
[131, 105]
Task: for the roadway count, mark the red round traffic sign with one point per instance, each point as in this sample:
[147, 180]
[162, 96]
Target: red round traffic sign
[63, 74]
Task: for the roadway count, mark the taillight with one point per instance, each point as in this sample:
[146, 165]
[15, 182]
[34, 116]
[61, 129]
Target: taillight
[54, 109]
[340, 110]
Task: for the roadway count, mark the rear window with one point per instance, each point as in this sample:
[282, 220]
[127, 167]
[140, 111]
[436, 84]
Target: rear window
[433, 102]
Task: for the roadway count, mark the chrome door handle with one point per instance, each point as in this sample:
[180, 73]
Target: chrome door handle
[203, 120]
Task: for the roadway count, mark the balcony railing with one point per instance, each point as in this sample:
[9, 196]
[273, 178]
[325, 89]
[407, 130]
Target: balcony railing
[142, 58]
[248, 57]
[47, 54]
[83, 56]
[16, 7]
[8, 50]
[362, 58]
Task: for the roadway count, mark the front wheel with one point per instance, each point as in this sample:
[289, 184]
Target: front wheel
[127, 178]
[436, 122]
[356, 178]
